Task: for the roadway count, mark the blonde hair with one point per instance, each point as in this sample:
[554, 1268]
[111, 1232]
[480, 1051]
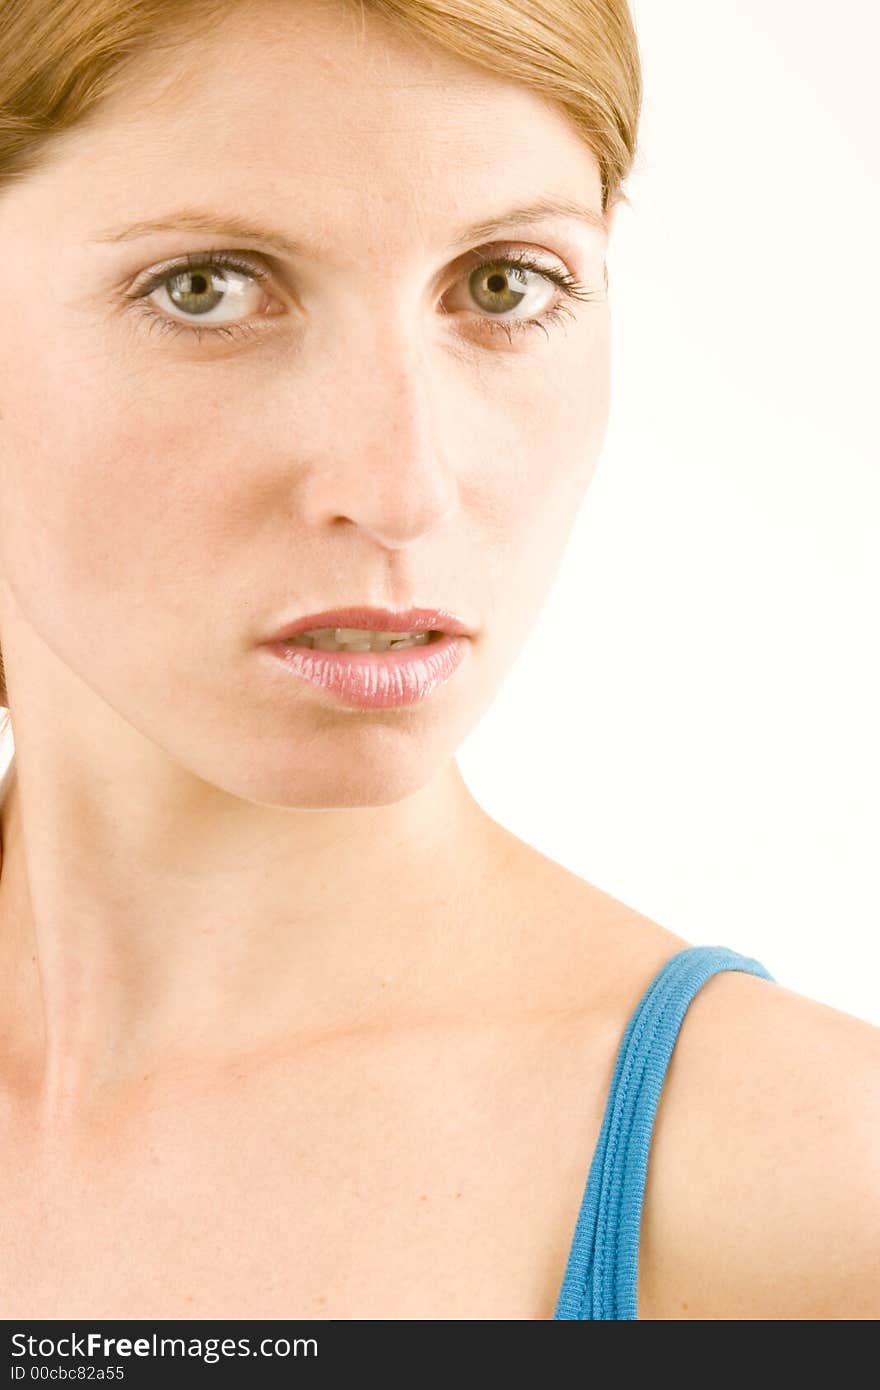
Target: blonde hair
[60, 59]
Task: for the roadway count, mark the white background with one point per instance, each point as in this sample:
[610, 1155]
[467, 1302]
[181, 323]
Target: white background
[692, 725]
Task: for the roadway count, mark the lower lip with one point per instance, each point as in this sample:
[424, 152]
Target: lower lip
[375, 680]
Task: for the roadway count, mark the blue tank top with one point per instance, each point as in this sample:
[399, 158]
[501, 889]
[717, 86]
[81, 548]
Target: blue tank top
[601, 1273]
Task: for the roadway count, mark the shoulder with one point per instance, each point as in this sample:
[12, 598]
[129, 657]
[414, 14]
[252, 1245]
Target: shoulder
[762, 1198]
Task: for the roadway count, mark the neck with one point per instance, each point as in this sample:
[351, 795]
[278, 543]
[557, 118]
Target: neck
[142, 933]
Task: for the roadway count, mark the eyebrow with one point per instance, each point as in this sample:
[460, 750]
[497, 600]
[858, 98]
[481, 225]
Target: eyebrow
[203, 220]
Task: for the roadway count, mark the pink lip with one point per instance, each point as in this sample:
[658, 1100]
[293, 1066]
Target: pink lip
[377, 620]
[375, 680]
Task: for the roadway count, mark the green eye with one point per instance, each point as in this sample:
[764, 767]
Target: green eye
[499, 282]
[199, 284]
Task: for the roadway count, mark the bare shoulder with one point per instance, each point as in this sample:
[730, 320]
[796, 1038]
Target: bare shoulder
[576, 943]
[762, 1198]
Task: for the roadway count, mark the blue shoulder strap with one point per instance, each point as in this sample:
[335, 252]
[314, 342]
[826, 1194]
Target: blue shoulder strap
[601, 1274]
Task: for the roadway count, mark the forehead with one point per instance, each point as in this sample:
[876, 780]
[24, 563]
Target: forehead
[324, 118]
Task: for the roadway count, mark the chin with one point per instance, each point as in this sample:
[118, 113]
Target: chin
[348, 764]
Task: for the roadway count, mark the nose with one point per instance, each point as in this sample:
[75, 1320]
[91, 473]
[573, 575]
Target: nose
[384, 463]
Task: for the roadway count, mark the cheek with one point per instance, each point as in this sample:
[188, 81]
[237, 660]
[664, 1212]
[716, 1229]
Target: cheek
[127, 504]
[543, 463]
[109, 500]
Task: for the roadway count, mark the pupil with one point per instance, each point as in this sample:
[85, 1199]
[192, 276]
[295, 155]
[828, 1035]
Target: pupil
[496, 283]
[199, 284]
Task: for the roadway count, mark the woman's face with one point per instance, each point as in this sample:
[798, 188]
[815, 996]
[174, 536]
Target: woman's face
[349, 418]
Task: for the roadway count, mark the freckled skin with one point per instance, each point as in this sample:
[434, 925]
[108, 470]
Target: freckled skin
[361, 445]
[210, 872]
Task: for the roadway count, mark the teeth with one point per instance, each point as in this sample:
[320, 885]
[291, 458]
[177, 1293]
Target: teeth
[357, 639]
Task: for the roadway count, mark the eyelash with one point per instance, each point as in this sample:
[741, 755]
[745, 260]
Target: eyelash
[224, 260]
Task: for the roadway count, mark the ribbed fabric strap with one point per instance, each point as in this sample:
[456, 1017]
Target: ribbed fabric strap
[601, 1275]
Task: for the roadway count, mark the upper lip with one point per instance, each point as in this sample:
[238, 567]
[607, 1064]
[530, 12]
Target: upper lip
[377, 620]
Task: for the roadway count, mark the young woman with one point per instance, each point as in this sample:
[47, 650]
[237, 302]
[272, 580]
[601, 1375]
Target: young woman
[304, 377]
